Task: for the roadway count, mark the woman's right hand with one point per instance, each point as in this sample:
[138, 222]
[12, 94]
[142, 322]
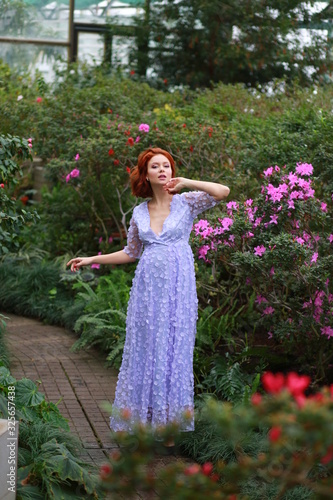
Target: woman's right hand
[79, 262]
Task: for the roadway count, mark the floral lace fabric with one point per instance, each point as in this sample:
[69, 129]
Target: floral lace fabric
[155, 382]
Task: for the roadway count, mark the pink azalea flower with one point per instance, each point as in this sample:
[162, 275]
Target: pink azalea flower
[291, 204]
[75, 172]
[232, 205]
[304, 169]
[226, 223]
[268, 172]
[323, 206]
[269, 310]
[293, 179]
[304, 184]
[110, 239]
[300, 240]
[330, 238]
[314, 257]
[310, 193]
[138, 139]
[68, 176]
[144, 127]
[260, 299]
[259, 250]
[203, 251]
[257, 222]
[77, 157]
[274, 219]
[327, 330]
[95, 266]
[248, 202]
[39, 99]
[276, 168]
[294, 195]
[271, 272]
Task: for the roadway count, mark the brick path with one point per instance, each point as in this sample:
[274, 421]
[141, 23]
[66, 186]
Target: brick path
[79, 380]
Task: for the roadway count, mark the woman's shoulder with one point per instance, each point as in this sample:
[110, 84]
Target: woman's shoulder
[138, 209]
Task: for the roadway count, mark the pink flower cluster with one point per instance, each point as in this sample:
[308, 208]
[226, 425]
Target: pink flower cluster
[144, 127]
[74, 173]
[275, 210]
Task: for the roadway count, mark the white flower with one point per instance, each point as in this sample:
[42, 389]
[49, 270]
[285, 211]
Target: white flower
[19, 97]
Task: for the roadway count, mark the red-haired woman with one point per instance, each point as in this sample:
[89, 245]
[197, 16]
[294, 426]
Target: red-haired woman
[155, 383]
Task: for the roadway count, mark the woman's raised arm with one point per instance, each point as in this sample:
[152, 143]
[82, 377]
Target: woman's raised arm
[218, 191]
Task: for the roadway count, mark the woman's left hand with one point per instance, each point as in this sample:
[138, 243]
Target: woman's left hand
[175, 184]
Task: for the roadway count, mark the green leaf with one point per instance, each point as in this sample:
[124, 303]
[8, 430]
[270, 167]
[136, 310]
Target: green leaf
[27, 393]
[5, 377]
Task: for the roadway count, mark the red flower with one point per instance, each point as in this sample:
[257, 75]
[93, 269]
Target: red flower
[39, 99]
[191, 148]
[111, 152]
[207, 468]
[256, 399]
[193, 469]
[165, 81]
[105, 471]
[116, 162]
[214, 477]
[184, 125]
[328, 457]
[130, 141]
[2, 186]
[274, 434]
[296, 384]
[132, 72]
[273, 383]
[24, 199]
[128, 170]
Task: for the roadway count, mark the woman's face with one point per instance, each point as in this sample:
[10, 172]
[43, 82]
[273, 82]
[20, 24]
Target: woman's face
[159, 170]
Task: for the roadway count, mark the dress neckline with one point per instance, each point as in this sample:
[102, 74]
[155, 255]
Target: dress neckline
[148, 213]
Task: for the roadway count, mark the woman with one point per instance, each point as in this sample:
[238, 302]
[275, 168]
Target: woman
[155, 381]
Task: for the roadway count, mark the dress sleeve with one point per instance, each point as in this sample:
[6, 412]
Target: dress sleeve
[199, 201]
[134, 244]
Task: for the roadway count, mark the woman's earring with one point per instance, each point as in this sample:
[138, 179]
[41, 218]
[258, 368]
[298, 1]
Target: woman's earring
[147, 179]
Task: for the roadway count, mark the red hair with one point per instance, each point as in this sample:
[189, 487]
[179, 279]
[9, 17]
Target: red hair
[140, 186]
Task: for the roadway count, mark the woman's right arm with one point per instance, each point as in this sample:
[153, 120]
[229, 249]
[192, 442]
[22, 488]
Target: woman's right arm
[120, 257]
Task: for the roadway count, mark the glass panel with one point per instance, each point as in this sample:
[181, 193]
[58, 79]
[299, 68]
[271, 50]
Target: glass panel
[34, 19]
[121, 46]
[28, 57]
[90, 48]
[106, 11]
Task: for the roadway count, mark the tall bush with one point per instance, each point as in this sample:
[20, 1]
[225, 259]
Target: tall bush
[279, 248]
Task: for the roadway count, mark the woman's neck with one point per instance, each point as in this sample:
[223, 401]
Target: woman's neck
[161, 198]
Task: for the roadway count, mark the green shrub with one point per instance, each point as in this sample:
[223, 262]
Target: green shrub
[277, 247]
[48, 454]
[279, 446]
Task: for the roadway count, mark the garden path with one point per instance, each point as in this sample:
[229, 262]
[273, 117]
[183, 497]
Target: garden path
[78, 381]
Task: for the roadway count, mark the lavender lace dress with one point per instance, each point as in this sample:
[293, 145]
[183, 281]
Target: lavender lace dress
[155, 381]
